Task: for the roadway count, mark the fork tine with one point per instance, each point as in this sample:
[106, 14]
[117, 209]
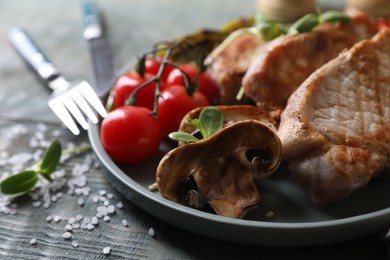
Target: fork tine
[80, 101]
[60, 110]
[90, 95]
[73, 109]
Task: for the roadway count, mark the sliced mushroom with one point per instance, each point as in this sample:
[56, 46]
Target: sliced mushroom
[232, 114]
[221, 171]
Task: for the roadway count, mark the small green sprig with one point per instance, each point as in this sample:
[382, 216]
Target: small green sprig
[209, 122]
[268, 29]
[25, 181]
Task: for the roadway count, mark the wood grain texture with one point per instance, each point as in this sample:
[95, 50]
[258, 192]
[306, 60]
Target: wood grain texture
[133, 28]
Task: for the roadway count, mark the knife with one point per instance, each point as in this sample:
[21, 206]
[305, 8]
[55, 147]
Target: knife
[99, 48]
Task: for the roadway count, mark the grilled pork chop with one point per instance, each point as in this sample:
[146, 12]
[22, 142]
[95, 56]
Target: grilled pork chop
[229, 67]
[284, 63]
[335, 129]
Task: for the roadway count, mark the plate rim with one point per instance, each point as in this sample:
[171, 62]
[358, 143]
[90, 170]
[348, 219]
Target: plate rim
[114, 171]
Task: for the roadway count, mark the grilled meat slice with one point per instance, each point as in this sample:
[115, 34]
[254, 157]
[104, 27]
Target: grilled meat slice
[229, 67]
[284, 63]
[335, 129]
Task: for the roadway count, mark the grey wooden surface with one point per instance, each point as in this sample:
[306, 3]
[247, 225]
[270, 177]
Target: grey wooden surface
[133, 27]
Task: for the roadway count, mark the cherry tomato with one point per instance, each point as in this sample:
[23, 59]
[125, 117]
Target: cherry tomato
[130, 134]
[152, 66]
[127, 83]
[382, 23]
[176, 76]
[174, 104]
[206, 84]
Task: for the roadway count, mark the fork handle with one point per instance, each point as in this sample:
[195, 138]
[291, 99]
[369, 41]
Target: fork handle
[32, 54]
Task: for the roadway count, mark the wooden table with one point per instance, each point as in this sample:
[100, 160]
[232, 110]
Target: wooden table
[30, 228]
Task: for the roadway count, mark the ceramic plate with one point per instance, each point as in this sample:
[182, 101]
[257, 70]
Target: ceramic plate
[296, 220]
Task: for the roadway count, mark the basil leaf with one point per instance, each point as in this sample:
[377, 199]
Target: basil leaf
[19, 183]
[183, 137]
[51, 158]
[211, 120]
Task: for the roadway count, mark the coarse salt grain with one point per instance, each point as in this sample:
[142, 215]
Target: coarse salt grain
[67, 235]
[151, 232]
[106, 218]
[71, 220]
[94, 220]
[124, 223]
[68, 227]
[75, 243]
[49, 218]
[33, 241]
[80, 202]
[107, 250]
[119, 205]
[57, 218]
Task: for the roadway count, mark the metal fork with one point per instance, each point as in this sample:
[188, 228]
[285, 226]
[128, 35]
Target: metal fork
[69, 101]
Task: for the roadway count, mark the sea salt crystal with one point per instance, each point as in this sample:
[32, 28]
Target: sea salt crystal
[68, 227]
[86, 220]
[33, 241]
[57, 218]
[36, 204]
[102, 210]
[124, 222]
[106, 218]
[71, 220]
[90, 226]
[80, 202]
[75, 243]
[110, 196]
[119, 205]
[75, 226]
[67, 235]
[84, 226]
[94, 220]
[79, 217]
[107, 250]
[95, 199]
[151, 232]
[111, 209]
[49, 218]
[56, 133]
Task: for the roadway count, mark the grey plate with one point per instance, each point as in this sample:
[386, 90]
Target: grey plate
[296, 221]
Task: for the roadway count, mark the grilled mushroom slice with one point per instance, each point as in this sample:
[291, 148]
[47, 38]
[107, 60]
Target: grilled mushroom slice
[232, 114]
[221, 171]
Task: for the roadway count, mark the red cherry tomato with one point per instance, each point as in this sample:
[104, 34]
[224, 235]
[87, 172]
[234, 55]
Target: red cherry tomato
[382, 23]
[174, 103]
[206, 84]
[130, 134]
[127, 83]
[152, 66]
[208, 87]
[176, 76]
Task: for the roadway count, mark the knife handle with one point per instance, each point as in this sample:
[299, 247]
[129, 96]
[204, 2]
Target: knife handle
[31, 53]
[91, 17]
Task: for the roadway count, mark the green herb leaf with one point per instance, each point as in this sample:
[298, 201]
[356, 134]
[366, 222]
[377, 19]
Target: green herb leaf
[19, 183]
[183, 137]
[50, 159]
[334, 17]
[211, 120]
[196, 122]
[305, 24]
